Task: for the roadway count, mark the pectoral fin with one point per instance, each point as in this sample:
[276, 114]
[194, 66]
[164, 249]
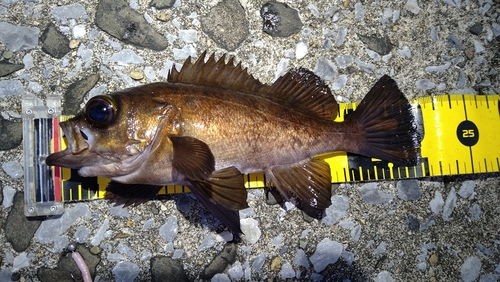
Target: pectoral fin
[309, 181]
[192, 158]
[224, 187]
[130, 194]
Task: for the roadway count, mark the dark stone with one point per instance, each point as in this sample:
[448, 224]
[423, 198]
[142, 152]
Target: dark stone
[67, 267]
[162, 4]
[225, 258]
[7, 68]
[476, 29]
[226, 24]
[54, 42]
[76, 92]
[11, 133]
[119, 20]
[381, 45]
[163, 267]
[280, 20]
[413, 223]
[18, 228]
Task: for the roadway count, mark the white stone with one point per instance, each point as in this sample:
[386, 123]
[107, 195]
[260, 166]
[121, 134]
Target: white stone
[11, 88]
[79, 31]
[425, 84]
[258, 262]
[451, 201]
[372, 195]
[207, 243]
[250, 227]
[359, 11]
[300, 259]
[81, 234]
[188, 35]
[381, 248]
[405, 53]
[126, 250]
[220, 277]
[341, 35]
[236, 271]
[54, 226]
[438, 69]
[325, 69]
[8, 196]
[356, 233]
[437, 203]
[300, 50]
[337, 210]
[343, 61]
[72, 11]
[184, 53]
[125, 57]
[168, 231]
[383, 276]
[125, 271]
[18, 38]
[99, 235]
[412, 6]
[287, 271]
[339, 82]
[28, 61]
[327, 252]
[21, 261]
[470, 269]
[467, 189]
[367, 67]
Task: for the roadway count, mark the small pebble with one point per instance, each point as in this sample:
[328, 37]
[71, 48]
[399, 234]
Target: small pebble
[434, 259]
[8, 54]
[136, 75]
[95, 250]
[275, 264]
[74, 43]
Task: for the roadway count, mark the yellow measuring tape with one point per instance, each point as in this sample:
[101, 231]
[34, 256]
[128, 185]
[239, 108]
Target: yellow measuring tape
[459, 137]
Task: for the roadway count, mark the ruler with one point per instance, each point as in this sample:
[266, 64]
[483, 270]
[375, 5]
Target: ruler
[459, 137]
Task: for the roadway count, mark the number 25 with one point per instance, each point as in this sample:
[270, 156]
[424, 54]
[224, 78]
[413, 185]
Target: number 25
[468, 133]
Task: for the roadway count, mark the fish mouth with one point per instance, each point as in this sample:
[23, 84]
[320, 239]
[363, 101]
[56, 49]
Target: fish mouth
[77, 153]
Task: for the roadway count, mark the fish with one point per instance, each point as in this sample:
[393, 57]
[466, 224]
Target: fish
[211, 122]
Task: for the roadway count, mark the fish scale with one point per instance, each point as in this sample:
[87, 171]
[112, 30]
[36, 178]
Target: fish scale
[459, 138]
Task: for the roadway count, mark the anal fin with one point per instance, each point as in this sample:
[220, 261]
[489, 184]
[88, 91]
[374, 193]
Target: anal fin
[309, 181]
[225, 187]
[130, 194]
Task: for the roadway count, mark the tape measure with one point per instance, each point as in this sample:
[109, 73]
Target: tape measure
[459, 137]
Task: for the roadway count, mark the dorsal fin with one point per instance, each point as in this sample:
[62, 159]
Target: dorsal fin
[216, 74]
[300, 88]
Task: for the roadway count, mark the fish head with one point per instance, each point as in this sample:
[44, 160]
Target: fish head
[114, 134]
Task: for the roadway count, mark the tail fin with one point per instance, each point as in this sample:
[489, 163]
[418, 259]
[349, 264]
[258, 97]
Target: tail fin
[386, 118]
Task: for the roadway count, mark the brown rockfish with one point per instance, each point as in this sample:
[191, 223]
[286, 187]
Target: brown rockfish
[212, 121]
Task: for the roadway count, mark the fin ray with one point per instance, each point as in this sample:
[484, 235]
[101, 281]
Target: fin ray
[310, 181]
[387, 122]
[192, 158]
[224, 187]
[300, 88]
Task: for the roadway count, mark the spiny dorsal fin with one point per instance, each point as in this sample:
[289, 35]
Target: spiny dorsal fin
[216, 74]
[300, 88]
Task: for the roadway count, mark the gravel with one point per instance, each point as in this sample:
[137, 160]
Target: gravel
[443, 229]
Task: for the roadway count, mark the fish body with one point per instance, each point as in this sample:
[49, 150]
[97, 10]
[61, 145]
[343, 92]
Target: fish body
[211, 122]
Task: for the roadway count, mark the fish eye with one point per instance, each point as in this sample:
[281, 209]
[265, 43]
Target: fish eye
[100, 111]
